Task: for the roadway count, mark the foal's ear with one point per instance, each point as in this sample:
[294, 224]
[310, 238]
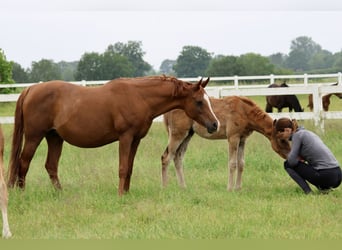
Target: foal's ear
[274, 122]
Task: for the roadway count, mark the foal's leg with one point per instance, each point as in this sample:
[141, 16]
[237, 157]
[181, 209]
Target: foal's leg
[169, 154]
[55, 143]
[232, 162]
[6, 233]
[241, 164]
[178, 160]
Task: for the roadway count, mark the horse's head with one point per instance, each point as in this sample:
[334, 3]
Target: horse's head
[198, 107]
[280, 144]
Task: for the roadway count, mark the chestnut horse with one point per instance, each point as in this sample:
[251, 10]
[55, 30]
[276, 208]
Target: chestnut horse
[325, 100]
[120, 110]
[282, 101]
[238, 117]
[6, 233]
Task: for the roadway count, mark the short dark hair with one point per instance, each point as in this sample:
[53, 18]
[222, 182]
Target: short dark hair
[283, 123]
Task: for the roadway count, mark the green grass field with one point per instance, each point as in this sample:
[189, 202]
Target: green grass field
[269, 206]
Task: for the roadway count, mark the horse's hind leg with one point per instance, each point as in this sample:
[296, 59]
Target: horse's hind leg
[29, 149]
[169, 154]
[240, 163]
[178, 160]
[55, 143]
[232, 162]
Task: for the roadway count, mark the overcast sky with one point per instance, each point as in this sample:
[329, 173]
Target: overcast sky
[31, 30]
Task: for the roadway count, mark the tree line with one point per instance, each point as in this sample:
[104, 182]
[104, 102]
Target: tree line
[126, 60]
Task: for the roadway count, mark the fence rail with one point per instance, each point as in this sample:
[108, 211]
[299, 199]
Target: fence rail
[302, 86]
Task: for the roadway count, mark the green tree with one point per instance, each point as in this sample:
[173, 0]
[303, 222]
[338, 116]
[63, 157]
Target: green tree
[68, 70]
[302, 49]
[132, 50]
[321, 60]
[44, 70]
[115, 65]
[338, 61]
[278, 59]
[20, 75]
[192, 62]
[89, 67]
[166, 67]
[254, 64]
[223, 66]
[5, 69]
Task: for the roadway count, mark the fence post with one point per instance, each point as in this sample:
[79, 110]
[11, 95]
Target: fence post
[318, 107]
[306, 79]
[339, 78]
[236, 82]
[271, 79]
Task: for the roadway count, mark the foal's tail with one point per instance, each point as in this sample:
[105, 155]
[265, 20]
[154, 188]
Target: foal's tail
[17, 141]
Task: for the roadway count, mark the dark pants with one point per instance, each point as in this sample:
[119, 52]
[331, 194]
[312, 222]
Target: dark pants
[322, 179]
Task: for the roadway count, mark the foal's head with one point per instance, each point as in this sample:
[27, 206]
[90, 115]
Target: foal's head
[198, 107]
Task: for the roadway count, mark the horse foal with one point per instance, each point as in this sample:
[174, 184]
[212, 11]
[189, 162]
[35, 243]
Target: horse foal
[6, 233]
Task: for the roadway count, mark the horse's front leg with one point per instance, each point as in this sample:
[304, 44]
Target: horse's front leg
[134, 148]
[127, 150]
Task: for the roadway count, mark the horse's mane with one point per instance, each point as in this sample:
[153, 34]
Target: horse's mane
[255, 110]
[178, 83]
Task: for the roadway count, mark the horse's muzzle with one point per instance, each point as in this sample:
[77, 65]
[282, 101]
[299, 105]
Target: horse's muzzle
[212, 127]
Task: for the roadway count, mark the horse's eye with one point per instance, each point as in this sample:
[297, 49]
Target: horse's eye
[199, 103]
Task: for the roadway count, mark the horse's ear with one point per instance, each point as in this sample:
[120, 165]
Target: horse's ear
[203, 84]
[199, 84]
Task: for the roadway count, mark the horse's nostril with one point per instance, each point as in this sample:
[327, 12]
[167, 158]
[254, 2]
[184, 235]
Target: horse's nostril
[215, 125]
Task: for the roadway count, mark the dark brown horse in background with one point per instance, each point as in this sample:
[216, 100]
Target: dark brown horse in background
[6, 233]
[282, 101]
[238, 116]
[325, 100]
[121, 110]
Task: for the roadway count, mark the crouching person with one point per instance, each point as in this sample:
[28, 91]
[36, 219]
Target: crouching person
[309, 160]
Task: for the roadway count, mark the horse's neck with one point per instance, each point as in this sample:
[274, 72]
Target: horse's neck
[263, 126]
[161, 99]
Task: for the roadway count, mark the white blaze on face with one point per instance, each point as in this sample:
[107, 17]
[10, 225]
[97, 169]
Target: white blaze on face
[206, 98]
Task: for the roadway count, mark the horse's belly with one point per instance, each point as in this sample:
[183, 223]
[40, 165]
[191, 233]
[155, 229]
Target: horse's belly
[87, 139]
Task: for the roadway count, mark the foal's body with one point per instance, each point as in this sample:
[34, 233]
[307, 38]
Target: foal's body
[6, 233]
[121, 110]
[238, 117]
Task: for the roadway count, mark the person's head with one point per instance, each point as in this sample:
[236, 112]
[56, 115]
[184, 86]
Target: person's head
[284, 127]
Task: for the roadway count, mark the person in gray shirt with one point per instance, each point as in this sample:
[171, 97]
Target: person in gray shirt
[309, 160]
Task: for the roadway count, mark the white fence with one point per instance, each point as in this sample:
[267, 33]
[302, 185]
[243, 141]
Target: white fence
[299, 85]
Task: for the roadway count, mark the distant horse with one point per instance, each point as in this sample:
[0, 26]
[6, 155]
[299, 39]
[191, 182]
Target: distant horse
[238, 117]
[282, 101]
[121, 110]
[6, 233]
[325, 100]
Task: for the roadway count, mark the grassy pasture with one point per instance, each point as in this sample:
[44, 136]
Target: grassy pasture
[269, 206]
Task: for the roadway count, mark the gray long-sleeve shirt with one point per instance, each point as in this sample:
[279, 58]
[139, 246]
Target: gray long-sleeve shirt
[311, 148]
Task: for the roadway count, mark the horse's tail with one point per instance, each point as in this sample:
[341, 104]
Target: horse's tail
[296, 104]
[17, 140]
